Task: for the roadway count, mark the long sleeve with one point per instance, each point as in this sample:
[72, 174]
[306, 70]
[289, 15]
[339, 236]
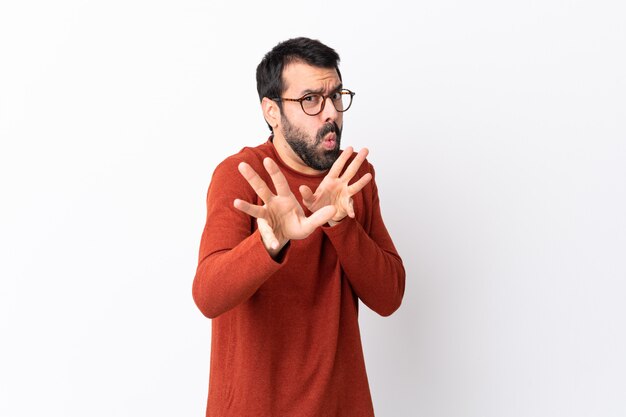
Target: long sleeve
[369, 258]
[285, 335]
[233, 262]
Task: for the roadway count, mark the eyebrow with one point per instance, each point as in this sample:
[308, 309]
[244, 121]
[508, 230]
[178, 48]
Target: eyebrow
[321, 90]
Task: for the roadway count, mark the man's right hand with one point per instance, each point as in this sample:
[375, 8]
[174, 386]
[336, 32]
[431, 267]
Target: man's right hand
[281, 218]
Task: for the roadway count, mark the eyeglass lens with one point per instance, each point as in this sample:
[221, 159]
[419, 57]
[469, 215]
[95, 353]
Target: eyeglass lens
[312, 103]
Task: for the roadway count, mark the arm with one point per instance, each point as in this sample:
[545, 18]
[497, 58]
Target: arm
[235, 259]
[368, 257]
[233, 262]
[376, 274]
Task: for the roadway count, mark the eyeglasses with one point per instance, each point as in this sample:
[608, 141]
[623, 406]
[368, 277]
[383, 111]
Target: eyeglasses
[313, 103]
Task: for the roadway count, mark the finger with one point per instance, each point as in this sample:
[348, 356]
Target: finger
[350, 209]
[255, 181]
[307, 195]
[279, 180]
[358, 186]
[355, 164]
[249, 209]
[267, 234]
[320, 217]
[337, 167]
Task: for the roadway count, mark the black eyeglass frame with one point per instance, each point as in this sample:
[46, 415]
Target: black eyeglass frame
[300, 100]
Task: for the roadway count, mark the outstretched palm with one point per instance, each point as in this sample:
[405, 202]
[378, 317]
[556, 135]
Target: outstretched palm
[281, 218]
[335, 190]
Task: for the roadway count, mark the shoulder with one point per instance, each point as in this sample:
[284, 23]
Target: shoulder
[227, 181]
[253, 156]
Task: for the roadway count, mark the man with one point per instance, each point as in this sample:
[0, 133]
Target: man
[292, 241]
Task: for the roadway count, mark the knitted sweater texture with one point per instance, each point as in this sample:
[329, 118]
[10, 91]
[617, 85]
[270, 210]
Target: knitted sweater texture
[285, 334]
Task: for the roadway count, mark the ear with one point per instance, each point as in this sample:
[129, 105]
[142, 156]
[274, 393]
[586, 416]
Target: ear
[271, 112]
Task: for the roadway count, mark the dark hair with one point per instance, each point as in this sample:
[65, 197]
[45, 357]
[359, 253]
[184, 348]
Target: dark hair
[269, 73]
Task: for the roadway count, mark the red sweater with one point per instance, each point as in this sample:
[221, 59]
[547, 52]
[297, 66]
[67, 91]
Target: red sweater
[286, 339]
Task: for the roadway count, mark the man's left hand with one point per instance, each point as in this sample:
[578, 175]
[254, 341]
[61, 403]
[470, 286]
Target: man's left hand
[334, 189]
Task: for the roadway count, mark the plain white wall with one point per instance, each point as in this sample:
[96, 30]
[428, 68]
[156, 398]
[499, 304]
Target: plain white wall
[497, 131]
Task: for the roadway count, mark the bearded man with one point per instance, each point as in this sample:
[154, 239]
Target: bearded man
[294, 238]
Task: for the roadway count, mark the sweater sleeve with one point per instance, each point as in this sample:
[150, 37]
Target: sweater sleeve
[233, 263]
[370, 260]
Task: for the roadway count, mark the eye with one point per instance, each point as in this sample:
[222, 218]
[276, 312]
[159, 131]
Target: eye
[336, 96]
[311, 100]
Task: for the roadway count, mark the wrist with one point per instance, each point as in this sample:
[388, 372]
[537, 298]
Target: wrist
[275, 252]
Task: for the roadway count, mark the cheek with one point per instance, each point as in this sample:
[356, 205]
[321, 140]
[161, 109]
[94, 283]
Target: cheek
[339, 119]
[298, 119]
[310, 126]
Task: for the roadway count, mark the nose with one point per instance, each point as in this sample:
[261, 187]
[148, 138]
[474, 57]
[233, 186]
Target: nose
[329, 112]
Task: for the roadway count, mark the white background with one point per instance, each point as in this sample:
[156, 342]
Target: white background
[498, 133]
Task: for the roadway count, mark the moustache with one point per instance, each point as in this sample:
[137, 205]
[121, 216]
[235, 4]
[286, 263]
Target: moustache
[330, 127]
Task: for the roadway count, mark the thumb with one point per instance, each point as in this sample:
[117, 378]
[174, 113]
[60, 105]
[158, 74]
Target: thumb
[350, 208]
[267, 235]
[321, 216]
[307, 196]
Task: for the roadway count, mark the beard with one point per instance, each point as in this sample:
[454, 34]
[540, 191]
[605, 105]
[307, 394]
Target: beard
[309, 150]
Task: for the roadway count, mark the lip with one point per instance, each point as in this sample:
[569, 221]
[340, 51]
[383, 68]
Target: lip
[330, 141]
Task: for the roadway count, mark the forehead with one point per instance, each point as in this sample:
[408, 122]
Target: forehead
[299, 78]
